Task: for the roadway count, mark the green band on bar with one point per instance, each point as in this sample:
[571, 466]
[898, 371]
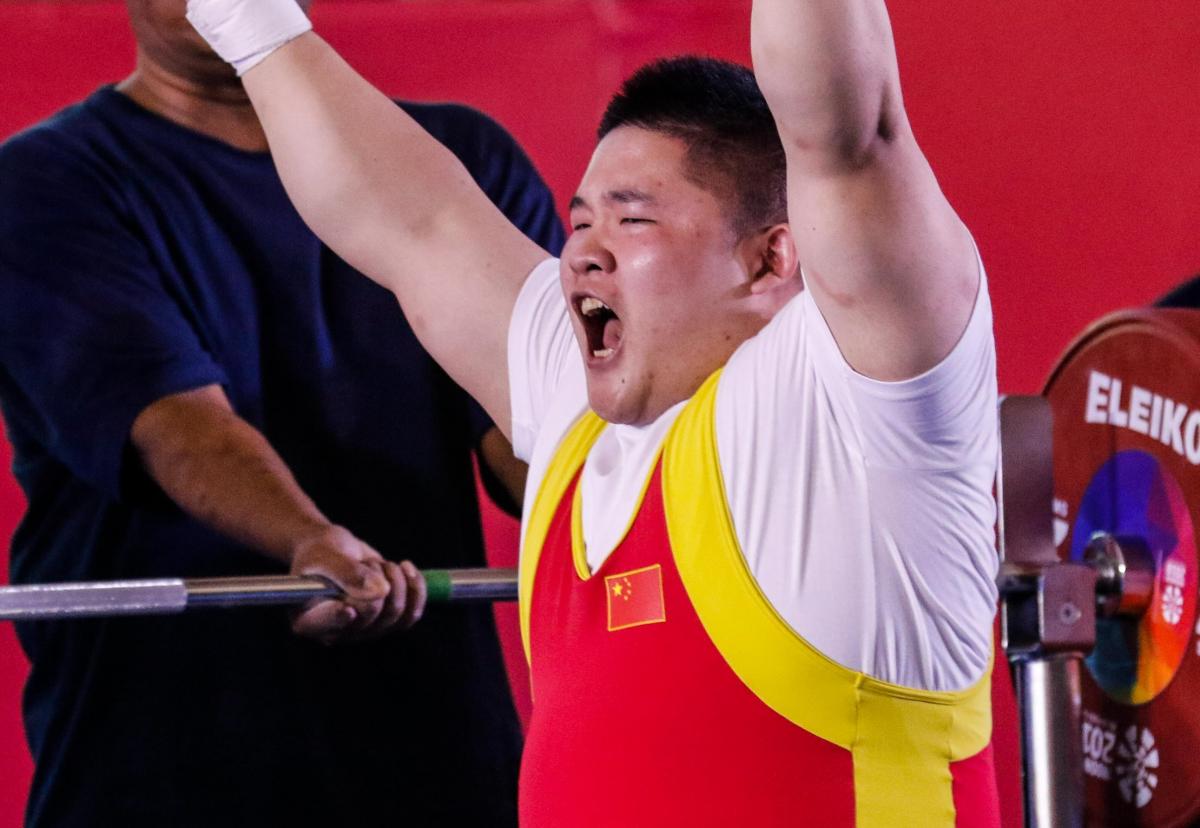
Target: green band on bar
[438, 584]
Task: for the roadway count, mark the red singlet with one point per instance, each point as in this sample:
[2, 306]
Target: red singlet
[667, 692]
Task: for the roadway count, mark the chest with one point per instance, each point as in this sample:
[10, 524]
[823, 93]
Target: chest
[628, 615]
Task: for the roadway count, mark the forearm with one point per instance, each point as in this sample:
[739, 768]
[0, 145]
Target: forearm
[222, 472]
[828, 71]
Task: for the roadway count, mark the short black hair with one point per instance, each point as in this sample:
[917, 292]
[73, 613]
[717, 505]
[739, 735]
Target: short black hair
[717, 109]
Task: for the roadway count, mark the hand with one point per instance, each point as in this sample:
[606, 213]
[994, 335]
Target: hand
[378, 594]
[244, 32]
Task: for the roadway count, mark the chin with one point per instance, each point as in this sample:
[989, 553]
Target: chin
[609, 407]
[605, 409]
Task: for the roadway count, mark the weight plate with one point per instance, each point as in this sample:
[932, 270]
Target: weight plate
[1126, 401]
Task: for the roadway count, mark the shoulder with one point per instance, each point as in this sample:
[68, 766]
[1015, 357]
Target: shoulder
[61, 153]
[79, 124]
[782, 348]
[33, 146]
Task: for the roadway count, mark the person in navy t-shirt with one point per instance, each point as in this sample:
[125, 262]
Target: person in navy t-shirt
[194, 385]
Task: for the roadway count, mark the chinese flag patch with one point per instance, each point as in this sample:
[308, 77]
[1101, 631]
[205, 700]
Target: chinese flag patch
[635, 598]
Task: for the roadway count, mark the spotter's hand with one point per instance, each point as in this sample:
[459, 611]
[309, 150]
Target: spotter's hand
[378, 594]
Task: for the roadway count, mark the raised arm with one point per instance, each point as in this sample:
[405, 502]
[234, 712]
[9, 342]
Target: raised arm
[381, 192]
[888, 262]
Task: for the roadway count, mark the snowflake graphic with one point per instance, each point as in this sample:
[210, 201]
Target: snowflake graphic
[1137, 759]
[1172, 604]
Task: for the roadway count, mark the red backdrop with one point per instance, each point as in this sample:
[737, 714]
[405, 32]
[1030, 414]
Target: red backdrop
[1065, 133]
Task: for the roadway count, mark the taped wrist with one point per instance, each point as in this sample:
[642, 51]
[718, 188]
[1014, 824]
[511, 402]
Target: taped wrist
[243, 32]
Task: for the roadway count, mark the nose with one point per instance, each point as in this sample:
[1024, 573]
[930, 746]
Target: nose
[588, 255]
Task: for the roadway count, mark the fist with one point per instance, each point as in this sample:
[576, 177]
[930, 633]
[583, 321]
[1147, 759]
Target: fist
[378, 594]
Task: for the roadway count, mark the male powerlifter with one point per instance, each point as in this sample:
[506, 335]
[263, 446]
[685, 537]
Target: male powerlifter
[757, 568]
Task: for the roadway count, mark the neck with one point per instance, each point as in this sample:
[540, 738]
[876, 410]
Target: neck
[219, 110]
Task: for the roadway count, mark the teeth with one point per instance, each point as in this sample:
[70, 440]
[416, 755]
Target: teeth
[591, 306]
[602, 353]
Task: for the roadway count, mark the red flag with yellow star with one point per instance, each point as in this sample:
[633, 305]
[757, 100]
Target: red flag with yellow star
[635, 598]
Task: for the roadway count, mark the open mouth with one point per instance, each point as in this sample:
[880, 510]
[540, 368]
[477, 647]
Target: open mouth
[602, 327]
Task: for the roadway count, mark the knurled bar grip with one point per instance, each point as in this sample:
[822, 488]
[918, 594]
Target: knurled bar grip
[167, 596]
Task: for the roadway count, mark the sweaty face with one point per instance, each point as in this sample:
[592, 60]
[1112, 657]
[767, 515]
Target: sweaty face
[657, 285]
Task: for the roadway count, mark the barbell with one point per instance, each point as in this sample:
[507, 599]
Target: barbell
[168, 596]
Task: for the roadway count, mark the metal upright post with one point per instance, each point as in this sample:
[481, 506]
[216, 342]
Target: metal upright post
[1048, 618]
[1047, 691]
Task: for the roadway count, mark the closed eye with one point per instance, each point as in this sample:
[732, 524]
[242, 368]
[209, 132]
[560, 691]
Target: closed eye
[632, 220]
[580, 226]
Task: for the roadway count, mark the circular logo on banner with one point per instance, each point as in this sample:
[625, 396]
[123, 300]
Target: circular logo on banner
[1136, 658]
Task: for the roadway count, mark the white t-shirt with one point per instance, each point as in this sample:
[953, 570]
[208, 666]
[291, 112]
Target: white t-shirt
[864, 508]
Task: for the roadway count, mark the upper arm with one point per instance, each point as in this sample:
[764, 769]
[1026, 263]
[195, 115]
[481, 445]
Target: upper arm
[888, 262]
[891, 267]
[163, 426]
[509, 180]
[499, 165]
[456, 275]
[398, 206]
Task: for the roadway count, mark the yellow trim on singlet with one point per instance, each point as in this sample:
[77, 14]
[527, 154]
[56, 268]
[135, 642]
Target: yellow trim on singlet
[902, 739]
[567, 460]
[578, 546]
[570, 456]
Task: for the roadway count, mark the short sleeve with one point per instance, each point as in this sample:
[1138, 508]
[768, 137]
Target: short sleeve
[89, 333]
[945, 418]
[541, 353]
[940, 419]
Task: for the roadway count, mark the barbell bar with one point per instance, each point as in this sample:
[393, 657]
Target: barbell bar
[169, 596]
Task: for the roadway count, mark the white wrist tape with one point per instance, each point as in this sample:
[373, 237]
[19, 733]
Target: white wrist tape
[243, 32]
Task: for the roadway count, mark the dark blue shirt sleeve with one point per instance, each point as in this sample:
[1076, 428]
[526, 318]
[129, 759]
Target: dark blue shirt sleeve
[89, 333]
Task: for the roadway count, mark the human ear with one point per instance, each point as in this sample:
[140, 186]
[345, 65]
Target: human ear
[773, 258]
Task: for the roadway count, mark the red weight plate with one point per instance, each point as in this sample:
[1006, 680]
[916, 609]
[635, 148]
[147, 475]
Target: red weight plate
[1126, 401]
